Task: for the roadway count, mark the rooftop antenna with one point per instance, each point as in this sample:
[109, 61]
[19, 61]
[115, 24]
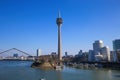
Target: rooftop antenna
[59, 14]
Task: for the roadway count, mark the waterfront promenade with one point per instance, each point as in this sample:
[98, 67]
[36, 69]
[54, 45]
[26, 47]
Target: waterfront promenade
[111, 65]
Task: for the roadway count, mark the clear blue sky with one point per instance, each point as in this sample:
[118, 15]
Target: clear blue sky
[31, 24]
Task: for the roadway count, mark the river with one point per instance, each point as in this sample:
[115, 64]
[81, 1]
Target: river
[21, 70]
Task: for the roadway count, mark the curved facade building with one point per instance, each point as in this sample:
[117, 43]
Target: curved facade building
[97, 45]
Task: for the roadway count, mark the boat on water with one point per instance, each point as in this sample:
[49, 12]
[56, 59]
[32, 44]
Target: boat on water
[58, 67]
[42, 79]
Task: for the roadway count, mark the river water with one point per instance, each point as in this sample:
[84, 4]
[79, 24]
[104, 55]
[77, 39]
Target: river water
[21, 70]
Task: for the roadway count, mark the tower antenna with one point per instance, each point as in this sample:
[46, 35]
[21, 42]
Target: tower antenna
[59, 14]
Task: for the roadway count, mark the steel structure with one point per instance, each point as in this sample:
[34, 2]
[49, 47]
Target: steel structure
[16, 50]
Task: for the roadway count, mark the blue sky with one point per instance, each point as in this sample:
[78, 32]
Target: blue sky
[31, 24]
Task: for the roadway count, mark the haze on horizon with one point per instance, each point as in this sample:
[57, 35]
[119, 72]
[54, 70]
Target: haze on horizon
[31, 24]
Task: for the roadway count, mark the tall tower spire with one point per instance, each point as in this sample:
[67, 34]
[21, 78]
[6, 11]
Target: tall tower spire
[59, 14]
[59, 22]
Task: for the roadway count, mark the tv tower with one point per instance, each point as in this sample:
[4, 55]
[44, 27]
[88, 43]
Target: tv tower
[59, 22]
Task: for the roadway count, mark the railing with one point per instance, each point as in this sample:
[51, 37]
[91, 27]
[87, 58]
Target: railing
[18, 59]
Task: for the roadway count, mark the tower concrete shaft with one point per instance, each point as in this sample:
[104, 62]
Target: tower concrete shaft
[59, 44]
[59, 23]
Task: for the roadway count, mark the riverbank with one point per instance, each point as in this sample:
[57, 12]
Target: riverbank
[94, 65]
[45, 65]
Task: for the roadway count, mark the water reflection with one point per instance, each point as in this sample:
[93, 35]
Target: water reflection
[59, 75]
[49, 74]
[23, 71]
[117, 75]
[43, 73]
[102, 74]
[110, 74]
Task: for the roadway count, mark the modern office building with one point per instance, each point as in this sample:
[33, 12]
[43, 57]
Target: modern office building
[98, 57]
[97, 45]
[99, 53]
[66, 53]
[117, 55]
[113, 57]
[116, 44]
[80, 52]
[54, 55]
[15, 55]
[39, 52]
[91, 56]
[105, 51]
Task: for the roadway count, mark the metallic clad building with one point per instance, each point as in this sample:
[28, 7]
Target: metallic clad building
[97, 45]
[39, 52]
[100, 52]
[116, 44]
[106, 53]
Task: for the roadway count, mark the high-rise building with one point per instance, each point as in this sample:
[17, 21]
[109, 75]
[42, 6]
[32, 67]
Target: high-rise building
[97, 45]
[113, 56]
[66, 53]
[15, 55]
[99, 52]
[98, 57]
[39, 52]
[80, 52]
[105, 51]
[116, 44]
[117, 55]
[91, 56]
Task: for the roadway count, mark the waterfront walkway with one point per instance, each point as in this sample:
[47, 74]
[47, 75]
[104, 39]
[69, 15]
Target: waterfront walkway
[112, 65]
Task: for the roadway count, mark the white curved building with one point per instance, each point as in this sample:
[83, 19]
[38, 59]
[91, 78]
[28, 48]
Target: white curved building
[105, 51]
[97, 45]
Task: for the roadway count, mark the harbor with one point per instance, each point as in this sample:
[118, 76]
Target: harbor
[95, 65]
[21, 70]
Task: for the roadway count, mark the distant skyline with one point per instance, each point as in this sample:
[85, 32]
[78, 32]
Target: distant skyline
[31, 24]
